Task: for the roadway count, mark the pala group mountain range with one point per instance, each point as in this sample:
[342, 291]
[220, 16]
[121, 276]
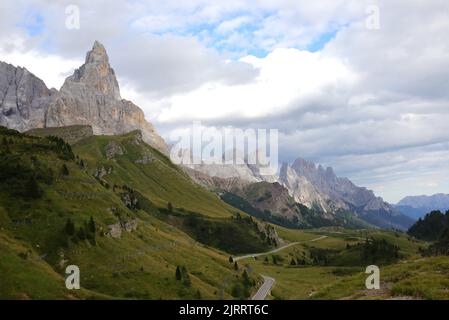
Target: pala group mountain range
[303, 195]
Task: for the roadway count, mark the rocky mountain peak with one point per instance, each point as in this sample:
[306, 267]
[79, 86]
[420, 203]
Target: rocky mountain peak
[96, 73]
[89, 97]
[98, 54]
[301, 165]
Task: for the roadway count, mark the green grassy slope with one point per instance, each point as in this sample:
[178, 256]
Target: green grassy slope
[158, 180]
[44, 185]
[149, 218]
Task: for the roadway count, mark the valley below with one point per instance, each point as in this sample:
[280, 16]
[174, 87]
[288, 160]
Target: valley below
[138, 227]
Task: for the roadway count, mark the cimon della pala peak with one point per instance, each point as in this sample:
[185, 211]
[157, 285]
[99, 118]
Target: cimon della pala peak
[91, 96]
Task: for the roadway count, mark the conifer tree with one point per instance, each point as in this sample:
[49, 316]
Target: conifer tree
[70, 227]
[178, 274]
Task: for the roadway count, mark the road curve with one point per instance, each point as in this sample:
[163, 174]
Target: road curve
[268, 282]
[275, 250]
[264, 289]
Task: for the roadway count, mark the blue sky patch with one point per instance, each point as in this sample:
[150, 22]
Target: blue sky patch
[33, 23]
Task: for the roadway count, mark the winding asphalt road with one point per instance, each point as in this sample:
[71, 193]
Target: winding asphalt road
[264, 289]
[275, 250]
[268, 282]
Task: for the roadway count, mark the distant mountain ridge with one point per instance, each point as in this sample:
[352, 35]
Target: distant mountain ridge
[91, 96]
[321, 188]
[438, 200]
[417, 206]
[315, 187]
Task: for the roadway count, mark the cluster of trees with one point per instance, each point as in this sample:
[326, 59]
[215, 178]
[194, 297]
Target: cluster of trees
[298, 262]
[182, 275]
[5, 145]
[61, 147]
[275, 259]
[242, 289]
[80, 162]
[440, 247]
[20, 175]
[430, 228]
[434, 227]
[84, 232]
[321, 256]
[236, 265]
[379, 251]
[21, 179]
[65, 170]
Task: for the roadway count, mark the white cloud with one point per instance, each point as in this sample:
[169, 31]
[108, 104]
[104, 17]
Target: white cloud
[286, 75]
[230, 25]
[53, 69]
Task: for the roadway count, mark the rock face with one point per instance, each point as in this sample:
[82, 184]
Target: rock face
[243, 171]
[91, 96]
[23, 98]
[113, 149]
[320, 188]
[216, 183]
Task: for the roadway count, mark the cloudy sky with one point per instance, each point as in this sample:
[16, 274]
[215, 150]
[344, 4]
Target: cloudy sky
[362, 86]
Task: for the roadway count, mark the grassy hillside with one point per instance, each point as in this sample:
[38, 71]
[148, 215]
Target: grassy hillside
[136, 164]
[139, 228]
[107, 212]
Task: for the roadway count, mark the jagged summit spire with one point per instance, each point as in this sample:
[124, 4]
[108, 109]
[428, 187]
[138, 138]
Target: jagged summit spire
[96, 73]
[98, 54]
[97, 45]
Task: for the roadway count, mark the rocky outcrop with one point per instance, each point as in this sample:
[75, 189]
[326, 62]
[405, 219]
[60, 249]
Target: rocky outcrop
[242, 171]
[24, 98]
[216, 183]
[113, 149]
[102, 171]
[115, 230]
[147, 158]
[91, 96]
[270, 233]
